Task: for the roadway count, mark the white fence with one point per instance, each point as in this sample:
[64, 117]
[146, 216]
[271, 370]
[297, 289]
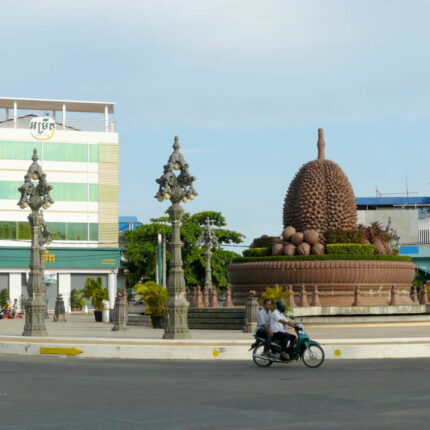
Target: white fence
[72, 124]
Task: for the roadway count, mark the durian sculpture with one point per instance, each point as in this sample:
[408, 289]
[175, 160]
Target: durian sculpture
[320, 197]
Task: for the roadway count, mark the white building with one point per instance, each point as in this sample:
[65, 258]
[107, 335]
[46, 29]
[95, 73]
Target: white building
[409, 217]
[80, 158]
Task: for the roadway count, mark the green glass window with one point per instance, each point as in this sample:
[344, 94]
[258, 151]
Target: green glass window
[19, 150]
[93, 153]
[23, 230]
[59, 230]
[94, 231]
[8, 230]
[9, 190]
[94, 193]
[65, 152]
[49, 151]
[76, 231]
[69, 192]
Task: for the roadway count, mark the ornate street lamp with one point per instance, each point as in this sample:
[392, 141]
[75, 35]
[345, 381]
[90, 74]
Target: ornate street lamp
[36, 197]
[176, 188]
[207, 241]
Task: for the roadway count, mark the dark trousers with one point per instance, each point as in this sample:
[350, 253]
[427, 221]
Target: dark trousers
[283, 338]
[262, 332]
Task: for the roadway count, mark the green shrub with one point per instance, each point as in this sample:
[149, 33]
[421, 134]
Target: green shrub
[350, 249]
[383, 257]
[395, 251]
[349, 236]
[75, 300]
[264, 241]
[257, 252]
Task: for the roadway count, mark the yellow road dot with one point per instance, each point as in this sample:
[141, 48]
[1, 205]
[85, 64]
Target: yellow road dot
[215, 352]
[337, 352]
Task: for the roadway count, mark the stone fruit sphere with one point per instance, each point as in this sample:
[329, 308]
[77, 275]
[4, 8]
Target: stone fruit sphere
[277, 249]
[320, 197]
[288, 232]
[304, 249]
[297, 238]
[289, 249]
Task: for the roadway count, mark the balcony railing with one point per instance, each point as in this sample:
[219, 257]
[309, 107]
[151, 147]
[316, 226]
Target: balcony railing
[72, 124]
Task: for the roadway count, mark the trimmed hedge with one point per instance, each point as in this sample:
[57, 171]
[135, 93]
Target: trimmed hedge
[257, 252]
[350, 236]
[387, 257]
[350, 249]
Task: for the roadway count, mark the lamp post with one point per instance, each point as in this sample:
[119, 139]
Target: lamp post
[207, 241]
[176, 188]
[36, 197]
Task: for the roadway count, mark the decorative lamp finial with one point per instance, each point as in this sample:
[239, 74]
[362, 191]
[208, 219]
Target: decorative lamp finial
[321, 144]
[35, 157]
[176, 145]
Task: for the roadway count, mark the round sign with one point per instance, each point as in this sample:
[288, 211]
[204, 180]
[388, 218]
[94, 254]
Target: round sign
[42, 127]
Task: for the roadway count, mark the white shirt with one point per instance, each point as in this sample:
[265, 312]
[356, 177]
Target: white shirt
[275, 325]
[263, 317]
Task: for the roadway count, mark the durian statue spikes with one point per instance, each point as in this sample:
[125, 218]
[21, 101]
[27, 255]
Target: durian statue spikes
[320, 197]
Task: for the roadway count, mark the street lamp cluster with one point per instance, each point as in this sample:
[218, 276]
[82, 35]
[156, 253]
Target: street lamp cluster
[36, 197]
[176, 188]
[208, 240]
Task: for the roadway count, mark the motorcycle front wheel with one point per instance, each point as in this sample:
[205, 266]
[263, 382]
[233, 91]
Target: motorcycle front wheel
[259, 361]
[313, 356]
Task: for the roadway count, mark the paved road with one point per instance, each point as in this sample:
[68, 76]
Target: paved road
[69, 393]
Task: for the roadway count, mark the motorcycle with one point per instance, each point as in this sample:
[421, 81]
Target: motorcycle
[8, 314]
[309, 351]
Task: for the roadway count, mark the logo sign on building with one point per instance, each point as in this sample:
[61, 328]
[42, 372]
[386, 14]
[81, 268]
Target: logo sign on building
[50, 278]
[42, 127]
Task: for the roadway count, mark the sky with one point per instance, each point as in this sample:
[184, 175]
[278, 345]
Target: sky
[244, 83]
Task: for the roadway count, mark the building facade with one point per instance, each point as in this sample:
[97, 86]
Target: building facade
[80, 156]
[408, 216]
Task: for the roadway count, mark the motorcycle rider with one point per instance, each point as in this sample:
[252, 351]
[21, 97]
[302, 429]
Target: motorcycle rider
[278, 323]
[263, 324]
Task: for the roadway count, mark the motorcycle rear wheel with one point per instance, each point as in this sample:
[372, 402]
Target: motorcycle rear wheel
[313, 356]
[260, 362]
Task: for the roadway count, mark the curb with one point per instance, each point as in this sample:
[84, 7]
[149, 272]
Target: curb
[336, 349]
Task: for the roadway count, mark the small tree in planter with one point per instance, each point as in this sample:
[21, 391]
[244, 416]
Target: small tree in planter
[76, 302]
[275, 293]
[94, 292]
[4, 297]
[154, 297]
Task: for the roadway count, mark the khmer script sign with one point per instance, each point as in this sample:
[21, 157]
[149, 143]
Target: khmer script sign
[42, 127]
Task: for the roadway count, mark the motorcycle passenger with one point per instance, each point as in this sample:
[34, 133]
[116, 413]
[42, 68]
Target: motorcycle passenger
[263, 324]
[278, 323]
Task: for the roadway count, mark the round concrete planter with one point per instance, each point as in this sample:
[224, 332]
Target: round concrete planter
[336, 280]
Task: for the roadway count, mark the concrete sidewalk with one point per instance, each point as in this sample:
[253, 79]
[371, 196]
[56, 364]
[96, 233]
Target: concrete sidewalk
[96, 340]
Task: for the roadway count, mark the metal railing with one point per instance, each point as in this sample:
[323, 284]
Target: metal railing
[424, 231]
[72, 124]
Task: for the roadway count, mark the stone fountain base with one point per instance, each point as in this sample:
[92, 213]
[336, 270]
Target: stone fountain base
[380, 283]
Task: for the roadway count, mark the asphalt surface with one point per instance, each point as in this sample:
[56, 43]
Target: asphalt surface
[71, 393]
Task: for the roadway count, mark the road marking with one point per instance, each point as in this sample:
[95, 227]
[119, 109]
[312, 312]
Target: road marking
[61, 351]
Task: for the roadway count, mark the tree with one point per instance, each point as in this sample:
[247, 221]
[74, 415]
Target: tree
[141, 247]
[94, 291]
